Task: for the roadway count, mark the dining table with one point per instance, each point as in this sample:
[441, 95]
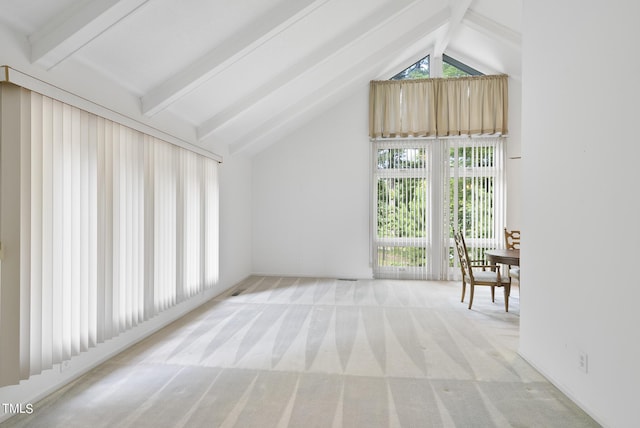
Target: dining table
[503, 256]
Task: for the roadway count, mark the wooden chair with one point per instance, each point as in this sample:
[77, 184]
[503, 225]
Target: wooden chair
[479, 274]
[511, 239]
[512, 242]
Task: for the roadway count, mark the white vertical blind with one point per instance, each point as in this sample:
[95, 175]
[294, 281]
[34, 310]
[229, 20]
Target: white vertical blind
[438, 212]
[478, 193]
[402, 170]
[210, 221]
[425, 189]
[165, 252]
[190, 193]
[122, 226]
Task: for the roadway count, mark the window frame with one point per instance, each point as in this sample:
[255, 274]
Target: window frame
[440, 175]
[461, 66]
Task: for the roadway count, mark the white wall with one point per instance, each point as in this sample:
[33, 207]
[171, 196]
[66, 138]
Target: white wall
[311, 197]
[580, 153]
[514, 156]
[235, 218]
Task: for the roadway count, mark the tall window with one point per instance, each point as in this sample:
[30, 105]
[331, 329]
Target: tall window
[424, 189]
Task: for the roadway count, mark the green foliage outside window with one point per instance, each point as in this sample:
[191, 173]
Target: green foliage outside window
[449, 70]
[402, 207]
[402, 201]
[402, 256]
[419, 70]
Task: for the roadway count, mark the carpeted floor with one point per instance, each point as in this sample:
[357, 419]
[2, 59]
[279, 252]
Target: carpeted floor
[299, 352]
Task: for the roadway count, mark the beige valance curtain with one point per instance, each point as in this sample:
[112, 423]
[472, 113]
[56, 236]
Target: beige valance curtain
[438, 107]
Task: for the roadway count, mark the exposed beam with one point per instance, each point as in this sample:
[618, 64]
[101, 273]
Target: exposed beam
[284, 121]
[458, 10]
[303, 66]
[263, 29]
[75, 28]
[492, 29]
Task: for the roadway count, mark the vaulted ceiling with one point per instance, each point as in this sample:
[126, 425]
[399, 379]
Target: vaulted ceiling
[246, 72]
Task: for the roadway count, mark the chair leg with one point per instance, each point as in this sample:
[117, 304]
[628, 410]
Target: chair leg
[471, 288]
[493, 293]
[507, 293]
[464, 290]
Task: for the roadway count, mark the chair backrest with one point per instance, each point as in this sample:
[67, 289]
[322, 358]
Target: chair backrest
[512, 239]
[463, 256]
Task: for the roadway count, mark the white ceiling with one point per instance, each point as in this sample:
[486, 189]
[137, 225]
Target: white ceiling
[246, 72]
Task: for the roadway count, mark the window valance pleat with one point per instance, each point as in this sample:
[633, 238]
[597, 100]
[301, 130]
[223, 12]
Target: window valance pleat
[438, 107]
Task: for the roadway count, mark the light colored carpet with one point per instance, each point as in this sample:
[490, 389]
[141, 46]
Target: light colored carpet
[299, 352]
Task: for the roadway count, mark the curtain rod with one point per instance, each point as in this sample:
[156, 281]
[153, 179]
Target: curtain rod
[19, 78]
[441, 79]
[431, 138]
